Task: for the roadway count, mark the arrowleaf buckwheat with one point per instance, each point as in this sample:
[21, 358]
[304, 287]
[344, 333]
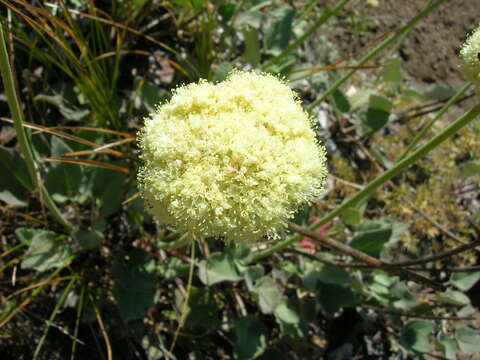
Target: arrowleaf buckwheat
[234, 160]
[471, 57]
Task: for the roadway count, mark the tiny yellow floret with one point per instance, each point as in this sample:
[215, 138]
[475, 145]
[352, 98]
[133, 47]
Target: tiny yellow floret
[470, 53]
[234, 160]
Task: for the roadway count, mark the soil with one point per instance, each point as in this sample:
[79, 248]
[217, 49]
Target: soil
[430, 53]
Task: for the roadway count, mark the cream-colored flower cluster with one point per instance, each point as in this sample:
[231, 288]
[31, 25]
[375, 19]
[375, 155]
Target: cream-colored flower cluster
[471, 57]
[232, 160]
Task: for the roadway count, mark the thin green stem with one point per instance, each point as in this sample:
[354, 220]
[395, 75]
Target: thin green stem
[399, 44]
[311, 4]
[379, 181]
[327, 14]
[77, 321]
[23, 140]
[53, 316]
[442, 111]
[12, 249]
[184, 309]
[375, 51]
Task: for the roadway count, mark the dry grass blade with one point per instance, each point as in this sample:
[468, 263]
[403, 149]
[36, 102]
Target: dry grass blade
[444, 255]
[389, 268]
[41, 283]
[43, 14]
[65, 136]
[131, 30]
[11, 89]
[22, 215]
[89, 163]
[338, 67]
[370, 45]
[88, 128]
[131, 198]
[45, 28]
[102, 329]
[28, 300]
[16, 311]
[100, 148]
[123, 52]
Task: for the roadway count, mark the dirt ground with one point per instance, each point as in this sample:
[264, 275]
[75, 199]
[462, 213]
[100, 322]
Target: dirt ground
[430, 53]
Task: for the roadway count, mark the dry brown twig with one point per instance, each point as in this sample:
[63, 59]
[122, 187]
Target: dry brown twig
[370, 260]
[396, 269]
[408, 263]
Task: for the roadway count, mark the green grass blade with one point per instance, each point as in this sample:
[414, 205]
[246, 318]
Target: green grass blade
[81, 302]
[15, 109]
[427, 10]
[322, 20]
[442, 111]
[53, 316]
[311, 4]
[23, 140]
[371, 187]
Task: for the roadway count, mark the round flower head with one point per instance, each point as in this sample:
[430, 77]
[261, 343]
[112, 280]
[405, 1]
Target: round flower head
[471, 57]
[233, 160]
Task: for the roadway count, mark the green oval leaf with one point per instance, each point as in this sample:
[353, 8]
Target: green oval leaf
[252, 338]
[372, 242]
[135, 287]
[464, 280]
[217, 268]
[414, 336]
[47, 249]
[468, 340]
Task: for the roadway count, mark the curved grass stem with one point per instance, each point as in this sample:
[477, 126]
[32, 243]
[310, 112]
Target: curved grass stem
[23, 140]
[53, 315]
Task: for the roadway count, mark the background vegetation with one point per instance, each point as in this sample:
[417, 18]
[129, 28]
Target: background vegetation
[384, 265]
